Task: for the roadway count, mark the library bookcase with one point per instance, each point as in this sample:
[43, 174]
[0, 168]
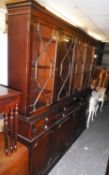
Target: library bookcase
[50, 63]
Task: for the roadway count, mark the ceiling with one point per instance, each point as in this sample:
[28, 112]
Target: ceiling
[91, 16]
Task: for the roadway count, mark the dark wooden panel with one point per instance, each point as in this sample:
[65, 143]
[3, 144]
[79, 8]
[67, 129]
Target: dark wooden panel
[18, 62]
[41, 152]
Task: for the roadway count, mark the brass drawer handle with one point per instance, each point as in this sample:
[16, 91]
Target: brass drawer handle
[65, 108]
[35, 145]
[46, 119]
[63, 115]
[59, 126]
[45, 127]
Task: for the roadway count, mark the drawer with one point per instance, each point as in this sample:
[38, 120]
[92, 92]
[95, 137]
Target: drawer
[43, 124]
[53, 119]
[71, 109]
[38, 127]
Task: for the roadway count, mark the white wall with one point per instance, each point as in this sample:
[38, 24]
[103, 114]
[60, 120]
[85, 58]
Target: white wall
[3, 47]
[3, 59]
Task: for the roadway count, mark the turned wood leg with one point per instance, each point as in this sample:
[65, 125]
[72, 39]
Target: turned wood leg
[15, 127]
[6, 134]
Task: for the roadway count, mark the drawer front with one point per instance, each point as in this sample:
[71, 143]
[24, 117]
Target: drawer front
[46, 122]
[38, 127]
[71, 109]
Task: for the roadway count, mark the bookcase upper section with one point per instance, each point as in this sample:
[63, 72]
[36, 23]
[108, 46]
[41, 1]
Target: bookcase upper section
[48, 57]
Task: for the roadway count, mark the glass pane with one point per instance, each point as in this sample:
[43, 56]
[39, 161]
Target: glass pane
[88, 66]
[43, 65]
[80, 58]
[65, 54]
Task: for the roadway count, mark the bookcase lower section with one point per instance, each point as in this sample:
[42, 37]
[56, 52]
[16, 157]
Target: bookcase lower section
[51, 133]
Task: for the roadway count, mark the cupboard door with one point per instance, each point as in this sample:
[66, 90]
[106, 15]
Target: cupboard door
[75, 124]
[83, 114]
[64, 66]
[41, 153]
[80, 58]
[75, 116]
[63, 134]
[44, 46]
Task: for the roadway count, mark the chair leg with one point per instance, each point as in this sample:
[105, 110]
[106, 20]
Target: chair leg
[6, 134]
[101, 105]
[16, 127]
[88, 119]
[92, 116]
[96, 109]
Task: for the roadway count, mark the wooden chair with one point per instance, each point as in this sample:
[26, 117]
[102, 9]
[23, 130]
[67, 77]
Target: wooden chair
[100, 78]
[101, 97]
[97, 96]
[93, 107]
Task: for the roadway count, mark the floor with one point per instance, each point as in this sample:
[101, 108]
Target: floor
[89, 154]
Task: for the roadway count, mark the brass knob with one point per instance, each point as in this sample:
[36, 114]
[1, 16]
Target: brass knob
[63, 115]
[45, 127]
[59, 126]
[46, 119]
[65, 108]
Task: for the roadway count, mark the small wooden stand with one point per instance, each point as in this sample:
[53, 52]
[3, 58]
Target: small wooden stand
[16, 162]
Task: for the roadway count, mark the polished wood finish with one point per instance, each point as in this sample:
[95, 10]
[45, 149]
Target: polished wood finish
[9, 100]
[47, 50]
[16, 163]
[50, 60]
[13, 155]
[52, 132]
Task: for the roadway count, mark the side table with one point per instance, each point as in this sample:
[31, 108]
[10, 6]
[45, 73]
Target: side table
[9, 100]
